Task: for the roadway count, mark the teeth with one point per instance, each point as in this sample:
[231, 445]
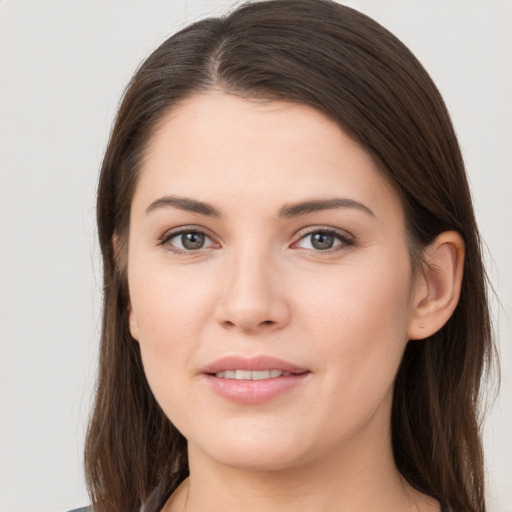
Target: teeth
[260, 375]
[251, 375]
[243, 375]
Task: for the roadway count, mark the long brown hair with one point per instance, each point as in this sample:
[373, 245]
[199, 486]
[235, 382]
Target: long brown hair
[341, 62]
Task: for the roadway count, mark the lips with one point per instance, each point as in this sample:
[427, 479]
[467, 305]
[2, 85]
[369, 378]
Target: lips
[251, 375]
[252, 364]
[254, 380]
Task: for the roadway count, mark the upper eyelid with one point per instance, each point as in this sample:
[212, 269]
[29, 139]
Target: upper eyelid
[299, 235]
[186, 229]
[330, 229]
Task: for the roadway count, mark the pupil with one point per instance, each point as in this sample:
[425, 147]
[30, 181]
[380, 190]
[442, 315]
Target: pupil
[192, 240]
[322, 240]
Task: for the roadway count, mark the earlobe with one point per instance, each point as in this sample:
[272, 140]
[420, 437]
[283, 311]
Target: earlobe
[438, 289]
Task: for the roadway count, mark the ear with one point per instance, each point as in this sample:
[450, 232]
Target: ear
[132, 321]
[438, 287]
[119, 251]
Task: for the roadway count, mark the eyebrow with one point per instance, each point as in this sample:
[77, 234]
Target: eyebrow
[315, 205]
[184, 203]
[287, 211]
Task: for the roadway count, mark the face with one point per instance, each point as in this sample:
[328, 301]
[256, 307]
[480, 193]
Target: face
[270, 282]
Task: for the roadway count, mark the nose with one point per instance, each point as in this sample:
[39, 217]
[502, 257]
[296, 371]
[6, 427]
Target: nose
[253, 298]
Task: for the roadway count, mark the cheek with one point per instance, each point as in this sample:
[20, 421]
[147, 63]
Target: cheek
[360, 319]
[170, 310]
[166, 303]
[167, 320]
[362, 299]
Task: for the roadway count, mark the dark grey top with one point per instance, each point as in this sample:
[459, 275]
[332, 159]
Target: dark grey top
[158, 498]
[146, 509]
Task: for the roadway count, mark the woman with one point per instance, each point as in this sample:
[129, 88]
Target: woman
[295, 311]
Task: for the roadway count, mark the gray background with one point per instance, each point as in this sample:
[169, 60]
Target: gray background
[63, 67]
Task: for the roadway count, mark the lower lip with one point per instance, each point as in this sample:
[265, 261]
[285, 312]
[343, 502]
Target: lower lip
[252, 392]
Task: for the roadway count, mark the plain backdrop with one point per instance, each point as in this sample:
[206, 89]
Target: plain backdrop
[63, 67]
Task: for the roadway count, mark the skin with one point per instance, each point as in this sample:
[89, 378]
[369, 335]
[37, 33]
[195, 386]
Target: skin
[259, 285]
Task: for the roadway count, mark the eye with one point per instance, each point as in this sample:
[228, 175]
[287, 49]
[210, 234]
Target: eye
[324, 240]
[187, 240]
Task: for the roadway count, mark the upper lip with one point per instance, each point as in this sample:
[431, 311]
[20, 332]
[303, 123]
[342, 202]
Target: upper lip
[256, 363]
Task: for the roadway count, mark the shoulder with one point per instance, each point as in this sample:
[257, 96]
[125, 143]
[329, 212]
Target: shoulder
[83, 509]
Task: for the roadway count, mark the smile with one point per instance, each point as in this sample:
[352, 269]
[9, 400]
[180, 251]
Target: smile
[253, 380]
[252, 375]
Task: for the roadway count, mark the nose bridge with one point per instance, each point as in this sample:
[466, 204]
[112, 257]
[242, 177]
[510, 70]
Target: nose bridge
[253, 295]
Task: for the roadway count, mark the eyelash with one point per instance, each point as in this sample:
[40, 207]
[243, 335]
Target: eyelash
[165, 240]
[343, 238]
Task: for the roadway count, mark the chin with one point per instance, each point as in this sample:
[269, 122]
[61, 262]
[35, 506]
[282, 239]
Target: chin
[254, 453]
[256, 461]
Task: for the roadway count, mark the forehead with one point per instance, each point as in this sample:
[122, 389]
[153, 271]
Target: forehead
[220, 147]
